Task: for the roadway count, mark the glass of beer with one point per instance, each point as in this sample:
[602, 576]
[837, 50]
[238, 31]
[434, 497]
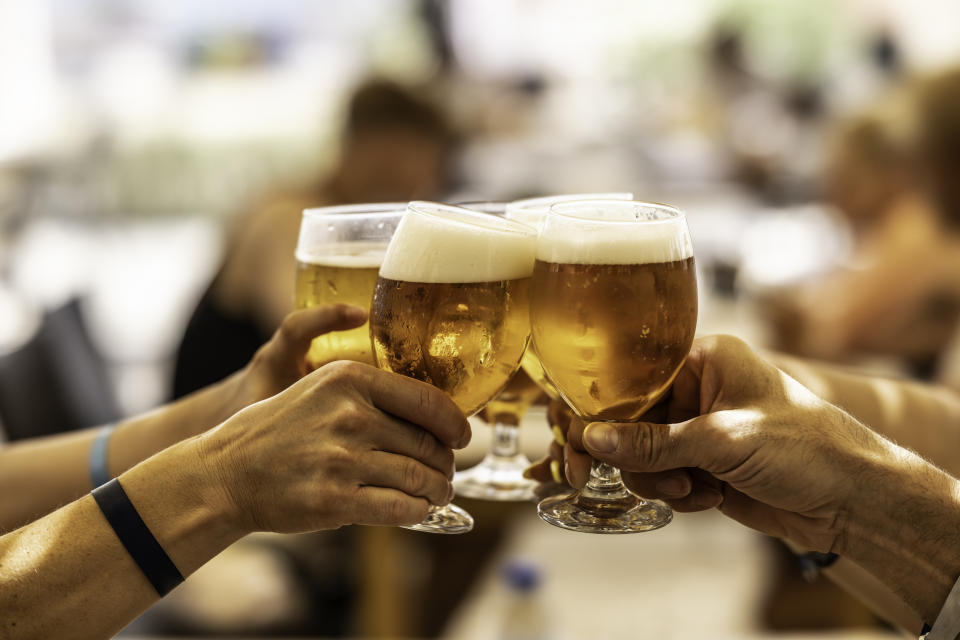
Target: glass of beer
[613, 310]
[339, 253]
[531, 212]
[451, 308]
[499, 476]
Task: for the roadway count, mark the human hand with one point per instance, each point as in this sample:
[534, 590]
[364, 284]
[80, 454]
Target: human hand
[735, 432]
[283, 360]
[347, 444]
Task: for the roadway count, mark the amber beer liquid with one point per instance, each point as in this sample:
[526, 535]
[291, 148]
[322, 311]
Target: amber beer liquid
[348, 275]
[466, 338]
[623, 330]
[451, 305]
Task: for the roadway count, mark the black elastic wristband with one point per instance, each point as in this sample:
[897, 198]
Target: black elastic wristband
[153, 561]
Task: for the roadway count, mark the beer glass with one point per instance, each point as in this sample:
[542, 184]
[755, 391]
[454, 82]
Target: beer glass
[531, 212]
[499, 476]
[451, 307]
[339, 253]
[613, 312]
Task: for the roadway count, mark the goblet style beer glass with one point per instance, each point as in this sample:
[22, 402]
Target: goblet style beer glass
[339, 254]
[499, 476]
[451, 307]
[613, 314]
[531, 212]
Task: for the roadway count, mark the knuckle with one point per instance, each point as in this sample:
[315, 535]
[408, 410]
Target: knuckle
[415, 479]
[397, 511]
[425, 445]
[646, 445]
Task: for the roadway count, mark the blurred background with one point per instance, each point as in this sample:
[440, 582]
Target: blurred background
[155, 157]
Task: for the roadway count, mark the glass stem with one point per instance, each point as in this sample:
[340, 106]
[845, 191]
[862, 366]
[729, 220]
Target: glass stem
[605, 483]
[505, 440]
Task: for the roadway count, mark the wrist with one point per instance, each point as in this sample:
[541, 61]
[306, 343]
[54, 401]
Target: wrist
[903, 525]
[181, 503]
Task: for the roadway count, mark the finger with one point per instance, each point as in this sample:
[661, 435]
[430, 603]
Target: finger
[664, 485]
[539, 471]
[575, 433]
[576, 466]
[394, 471]
[299, 328]
[406, 439]
[419, 403]
[647, 446]
[386, 507]
[686, 495]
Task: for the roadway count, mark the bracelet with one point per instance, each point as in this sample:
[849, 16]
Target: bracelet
[947, 624]
[99, 473]
[136, 538]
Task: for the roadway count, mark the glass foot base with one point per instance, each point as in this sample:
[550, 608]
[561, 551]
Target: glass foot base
[497, 478]
[630, 514]
[449, 519]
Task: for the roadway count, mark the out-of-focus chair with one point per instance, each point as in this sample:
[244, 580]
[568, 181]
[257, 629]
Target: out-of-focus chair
[56, 381]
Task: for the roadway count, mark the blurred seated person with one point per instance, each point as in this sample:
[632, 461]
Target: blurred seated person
[901, 295]
[264, 450]
[395, 147]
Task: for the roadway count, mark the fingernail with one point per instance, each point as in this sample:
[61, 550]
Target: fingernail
[601, 437]
[708, 499]
[555, 471]
[673, 487]
[559, 437]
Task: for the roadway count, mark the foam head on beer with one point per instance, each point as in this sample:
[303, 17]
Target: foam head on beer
[615, 232]
[451, 304]
[443, 243]
[531, 211]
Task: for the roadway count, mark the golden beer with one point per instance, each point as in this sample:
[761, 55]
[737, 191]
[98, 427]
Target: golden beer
[466, 338]
[617, 333]
[347, 276]
[613, 312]
[534, 369]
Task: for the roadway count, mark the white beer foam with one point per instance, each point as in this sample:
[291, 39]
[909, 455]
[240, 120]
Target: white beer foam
[612, 232]
[354, 255]
[441, 243]
[532, 211]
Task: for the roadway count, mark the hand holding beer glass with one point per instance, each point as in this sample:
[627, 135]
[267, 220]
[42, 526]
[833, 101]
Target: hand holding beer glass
[451, 307]
[613, 311]
[339, 253]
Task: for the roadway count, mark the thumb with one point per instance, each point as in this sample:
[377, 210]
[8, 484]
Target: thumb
[301, 327]
[647, 446]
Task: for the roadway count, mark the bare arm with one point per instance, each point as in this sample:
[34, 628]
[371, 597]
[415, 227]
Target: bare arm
[39, 475]
[922, 417]
[348, 444]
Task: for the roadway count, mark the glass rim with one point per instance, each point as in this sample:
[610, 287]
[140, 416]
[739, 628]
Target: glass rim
[675, 214]
[470, 218]
[353, 211]
[543, 203]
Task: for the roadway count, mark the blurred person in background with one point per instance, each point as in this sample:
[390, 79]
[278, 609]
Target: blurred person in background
[395, 147]
[900, 298]
[249, 454]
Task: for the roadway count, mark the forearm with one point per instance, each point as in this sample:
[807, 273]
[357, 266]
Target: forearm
[905, 529]
[39, 475]
[925, 418]
[68, 576]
